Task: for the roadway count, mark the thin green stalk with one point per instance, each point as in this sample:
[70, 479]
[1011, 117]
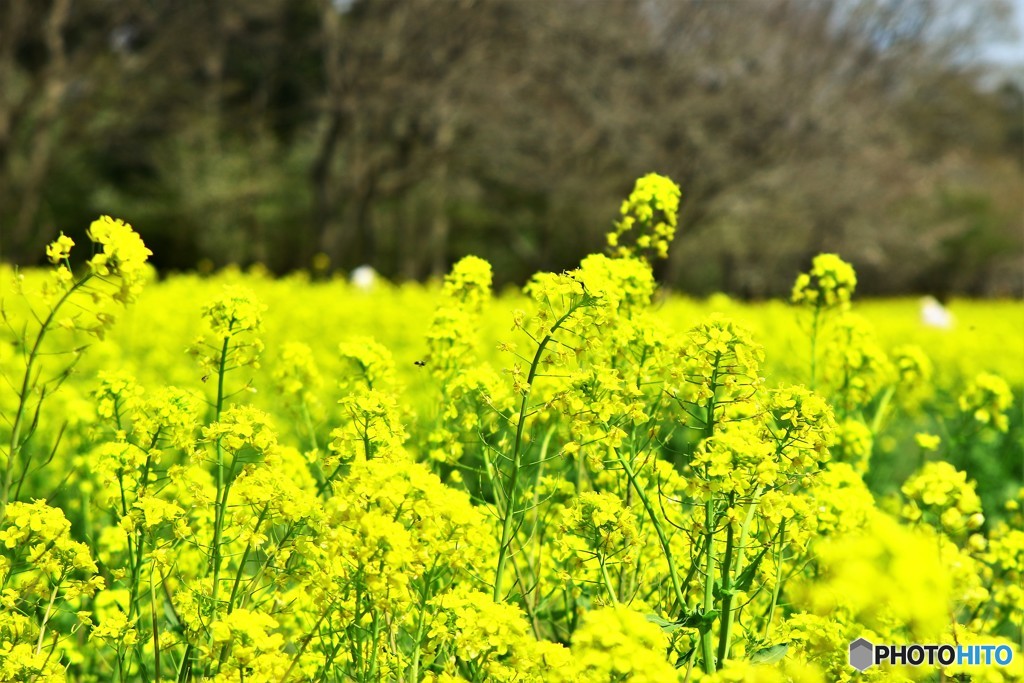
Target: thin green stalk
[134, 611]
[221, 499]
[706, 640]
[745, 528]
[421, 621]
[309, 425]
[323, 485]
[245, 556]
[883, 409]
[607, 581]
[533, 561]
[185, 668]
[15, 445]
[727, 589]
[373, 644]
[666, 549]
[814, 344]
[510, 494]
[689, 669]
[156, 630]
[728, 614]
[46, 616]
[778, 580]
[531, 613]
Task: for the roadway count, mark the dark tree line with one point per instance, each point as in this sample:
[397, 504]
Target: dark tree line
[404, 134]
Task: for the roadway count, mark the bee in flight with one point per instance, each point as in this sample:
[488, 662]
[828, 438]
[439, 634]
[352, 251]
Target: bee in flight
[420, 363]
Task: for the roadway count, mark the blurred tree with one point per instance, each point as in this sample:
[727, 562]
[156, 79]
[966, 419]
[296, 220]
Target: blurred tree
[404, 134]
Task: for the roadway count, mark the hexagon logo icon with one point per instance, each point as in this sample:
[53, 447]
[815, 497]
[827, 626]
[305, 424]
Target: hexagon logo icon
[862, 654]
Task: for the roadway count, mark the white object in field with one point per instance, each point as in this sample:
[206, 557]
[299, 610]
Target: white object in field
[934, 314]
[364, 278]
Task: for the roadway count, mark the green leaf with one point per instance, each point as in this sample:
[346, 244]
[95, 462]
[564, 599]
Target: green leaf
[707, 621]
[770, 655]
[684, 659]
[746, 577]
[664, 624]
[698, 620]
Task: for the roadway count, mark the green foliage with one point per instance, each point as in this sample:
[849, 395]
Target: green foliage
[370, 132]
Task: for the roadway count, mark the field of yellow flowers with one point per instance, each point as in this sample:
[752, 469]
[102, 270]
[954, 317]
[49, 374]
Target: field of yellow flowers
[239, 478]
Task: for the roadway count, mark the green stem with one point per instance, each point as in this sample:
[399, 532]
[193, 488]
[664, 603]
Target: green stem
[245, 556]
[778, 580]
[221, 500]
[531, 613]
[373, 645]
[727, 588]
[814, 344]
[325, 484]
[185, 668]
[666, 549]
[706, 639]
[421, 621]
[883, 409]
[728, 614]
[306, 640]
[745, 528]
[311, 429]
[46, 616]
[15, 446]
[134, 611]
[156, 629]
[510, 494]
[607, 581]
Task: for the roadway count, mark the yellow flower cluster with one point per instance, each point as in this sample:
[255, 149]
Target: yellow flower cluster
[123, 249]
[882, 576]
[829, 283]
[1004, 555]
[243, 427]
[60, 249]
[233, 318]
[733, 461]
[600, 519]
[234, 312]
[600, 405]
[854, 443]
[915, 370]
[296, 372]
[720, 369]
[123, 254]
[649, 217]
[43, 534]
[802, 426]
[469, 283]
[620, 644]
[255, 648]
[468, 386]
[941, 496]
[986, 401]
[116, 274]
[856, 367]
[371, 365]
